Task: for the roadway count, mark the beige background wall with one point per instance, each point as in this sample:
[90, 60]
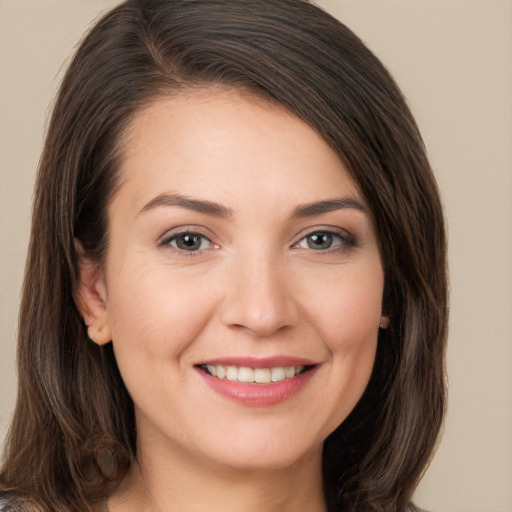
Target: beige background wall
[453, 60]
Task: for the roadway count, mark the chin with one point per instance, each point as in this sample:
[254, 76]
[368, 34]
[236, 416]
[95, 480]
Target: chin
[277, 460]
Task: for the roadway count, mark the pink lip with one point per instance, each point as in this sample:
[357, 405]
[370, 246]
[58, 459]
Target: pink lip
[259, 362]
[258, 395]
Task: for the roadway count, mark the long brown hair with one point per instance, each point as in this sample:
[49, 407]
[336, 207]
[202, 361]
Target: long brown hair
[73, 435]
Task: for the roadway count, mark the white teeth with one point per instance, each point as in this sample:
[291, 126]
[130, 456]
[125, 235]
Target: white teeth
[256, 375]
[232, 373]
[245, 374]
[262, 375]
[289, 371]
[278, 374]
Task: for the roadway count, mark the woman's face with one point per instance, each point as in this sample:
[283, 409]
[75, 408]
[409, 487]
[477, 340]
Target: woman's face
[240, 250]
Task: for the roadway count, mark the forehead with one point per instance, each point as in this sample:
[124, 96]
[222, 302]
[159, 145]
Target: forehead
[226, 143]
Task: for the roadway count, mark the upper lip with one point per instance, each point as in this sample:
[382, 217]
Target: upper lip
[258, 362]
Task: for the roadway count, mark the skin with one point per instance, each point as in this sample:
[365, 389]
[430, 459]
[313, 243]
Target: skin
[253, 287]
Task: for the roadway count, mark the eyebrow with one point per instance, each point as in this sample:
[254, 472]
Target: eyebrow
[218, 210]
[197, 205]
[329, 205]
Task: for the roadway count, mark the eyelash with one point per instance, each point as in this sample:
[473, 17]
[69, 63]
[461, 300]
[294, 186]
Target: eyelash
[346, 241]
[168, 238]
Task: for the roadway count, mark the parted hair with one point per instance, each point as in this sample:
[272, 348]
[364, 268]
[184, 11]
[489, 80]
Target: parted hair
[72, 437]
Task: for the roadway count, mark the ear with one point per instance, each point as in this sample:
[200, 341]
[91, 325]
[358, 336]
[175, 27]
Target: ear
[386, 305]
[384, 322]
[91, 299]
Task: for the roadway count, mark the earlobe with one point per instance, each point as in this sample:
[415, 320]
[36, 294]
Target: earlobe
[100, 334]
[91, 299]
[384, 322]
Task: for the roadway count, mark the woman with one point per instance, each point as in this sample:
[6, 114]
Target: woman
[235, 294]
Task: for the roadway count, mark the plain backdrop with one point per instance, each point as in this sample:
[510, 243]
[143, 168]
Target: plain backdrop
[453, 60]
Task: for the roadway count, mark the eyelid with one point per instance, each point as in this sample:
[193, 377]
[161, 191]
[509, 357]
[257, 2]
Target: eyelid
[173, 233]
[331, 230]
[166, 238]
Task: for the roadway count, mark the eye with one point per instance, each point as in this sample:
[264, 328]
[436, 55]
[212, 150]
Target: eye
[188, 241]
[325, 240]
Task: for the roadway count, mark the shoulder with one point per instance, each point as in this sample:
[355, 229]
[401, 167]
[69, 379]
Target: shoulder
[8, 507]
[9, 503]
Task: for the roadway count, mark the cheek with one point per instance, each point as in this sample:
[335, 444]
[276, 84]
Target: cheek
[154, 321]
[346, 316]
[346, 310]
[351, 338]
[154, 315]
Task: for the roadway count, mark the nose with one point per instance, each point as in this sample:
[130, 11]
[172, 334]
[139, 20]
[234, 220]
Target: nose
[259, 296]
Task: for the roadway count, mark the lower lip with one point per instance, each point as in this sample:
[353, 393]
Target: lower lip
[258, 395]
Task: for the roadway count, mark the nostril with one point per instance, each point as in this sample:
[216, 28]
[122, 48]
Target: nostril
[258, 300]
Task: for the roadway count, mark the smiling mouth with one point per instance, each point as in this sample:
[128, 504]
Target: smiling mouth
[249, 375]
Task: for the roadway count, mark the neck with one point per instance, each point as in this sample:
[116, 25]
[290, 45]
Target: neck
[160, 483]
